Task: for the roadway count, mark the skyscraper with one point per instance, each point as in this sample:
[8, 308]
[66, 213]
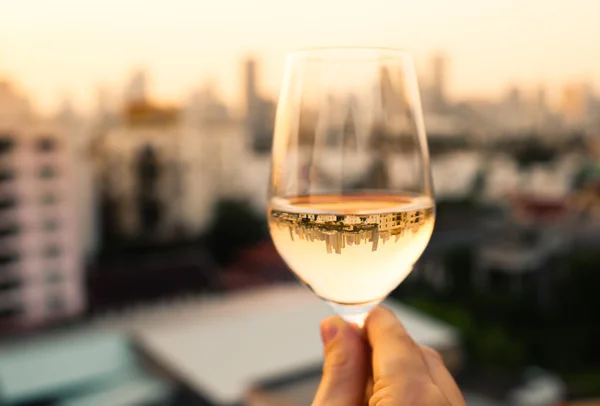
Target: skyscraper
[40, 256]
[137, 89]
[260, 112]
[438, 83]
[576, 105]
[251, 93]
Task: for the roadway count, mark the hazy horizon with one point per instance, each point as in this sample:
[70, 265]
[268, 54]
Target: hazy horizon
[70, 47]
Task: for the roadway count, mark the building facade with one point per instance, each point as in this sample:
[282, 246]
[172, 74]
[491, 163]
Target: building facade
[41, 260]
[161, 169]
[155, 176]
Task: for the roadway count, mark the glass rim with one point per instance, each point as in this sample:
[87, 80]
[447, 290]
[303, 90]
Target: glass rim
[349, 53]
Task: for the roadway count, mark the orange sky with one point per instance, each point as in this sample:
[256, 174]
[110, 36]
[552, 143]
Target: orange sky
[61, 47]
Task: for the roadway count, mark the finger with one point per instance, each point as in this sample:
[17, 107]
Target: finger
[396, 357]
[368, 390]
[345, 368]
[369, 387]
[442, 377]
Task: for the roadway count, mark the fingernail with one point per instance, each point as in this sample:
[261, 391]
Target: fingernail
[329, 329]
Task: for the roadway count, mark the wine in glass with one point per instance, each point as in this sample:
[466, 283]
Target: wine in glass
[351, 205]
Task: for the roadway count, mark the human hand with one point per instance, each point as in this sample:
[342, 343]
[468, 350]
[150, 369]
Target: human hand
[383, 368]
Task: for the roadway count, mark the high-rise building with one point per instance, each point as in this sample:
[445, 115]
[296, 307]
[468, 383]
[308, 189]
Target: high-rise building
[260, 112]
[156, 180]
[438, 83]
[40, 255]
[225, 138]
[513, 98]
[137, 88]
[156, 169]
[14, 108]
[252, 99]
[576, 105]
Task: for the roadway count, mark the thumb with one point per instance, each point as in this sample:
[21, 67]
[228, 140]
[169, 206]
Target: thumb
[345, 369]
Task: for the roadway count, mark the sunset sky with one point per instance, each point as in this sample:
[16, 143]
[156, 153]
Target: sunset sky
[58, 47]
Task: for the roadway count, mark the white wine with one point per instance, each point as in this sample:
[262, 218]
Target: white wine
[351, 250]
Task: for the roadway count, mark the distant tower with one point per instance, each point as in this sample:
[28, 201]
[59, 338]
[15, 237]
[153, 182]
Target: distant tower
[386, 89]
[542, 98]
[349, 137]
[137, 89]
[575, 104]
[438, 82]
[251, 94]
[260, 112]
[541, 109]
[513, 99]
[66, 113]
[14, 108]
[102, 109]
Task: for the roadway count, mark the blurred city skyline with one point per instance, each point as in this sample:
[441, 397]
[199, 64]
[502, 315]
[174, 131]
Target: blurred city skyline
[70, 49]
[135, 141]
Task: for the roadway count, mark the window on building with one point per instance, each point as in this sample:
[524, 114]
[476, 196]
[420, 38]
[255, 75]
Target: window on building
[55, 303]
[10, 284]
[10, 230]
[54, 276]
[51, 225]
[47, 172]
[46, 144]
[7, 143]
[10, 312]
[6, 175]
[8, 259]
[52, 251]
[49, 198]
[8, 203]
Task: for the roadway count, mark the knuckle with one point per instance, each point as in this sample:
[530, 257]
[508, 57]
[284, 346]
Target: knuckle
[383, 398]
[427, 394]
[400, 332]
[431, 353]
[336, 361]
[393, 392]
[404, 340]
[383, 384]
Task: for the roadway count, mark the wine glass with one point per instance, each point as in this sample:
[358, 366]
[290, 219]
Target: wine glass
[351, 205]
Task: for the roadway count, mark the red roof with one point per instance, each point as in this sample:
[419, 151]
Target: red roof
[540, 207]
[257, 265]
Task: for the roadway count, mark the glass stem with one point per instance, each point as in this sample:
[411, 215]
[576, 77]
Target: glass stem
[354, 314]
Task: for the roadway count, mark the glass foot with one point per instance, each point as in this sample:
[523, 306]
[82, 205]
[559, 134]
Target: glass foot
[354, 314]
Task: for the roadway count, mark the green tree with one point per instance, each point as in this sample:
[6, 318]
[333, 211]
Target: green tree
[235, 226]
[459, 263]
[495, 346]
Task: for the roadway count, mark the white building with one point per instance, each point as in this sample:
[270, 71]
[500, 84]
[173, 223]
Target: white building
[226, 140]
[162, 169]
[165, 166]
[323, 218]
[40, 255]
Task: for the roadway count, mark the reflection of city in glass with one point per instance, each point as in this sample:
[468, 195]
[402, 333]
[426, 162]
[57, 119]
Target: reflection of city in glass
[352, 248]
[339, 231]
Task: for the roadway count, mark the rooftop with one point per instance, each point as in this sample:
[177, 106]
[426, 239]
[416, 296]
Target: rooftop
[219, 346]
[255, 336]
